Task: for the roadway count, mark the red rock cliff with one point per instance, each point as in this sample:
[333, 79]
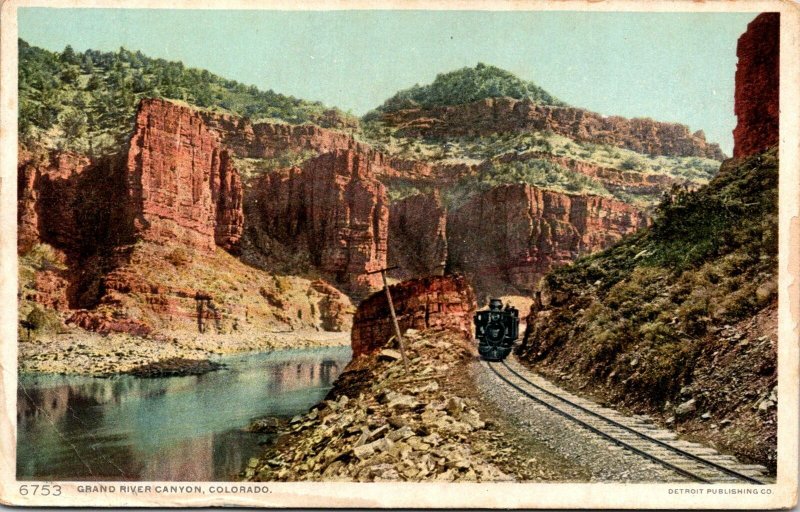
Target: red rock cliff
[336, 209]
[493, 115]
[182, 186]
[418, 235]
[757, 87]
[514, 234]
[434, 301]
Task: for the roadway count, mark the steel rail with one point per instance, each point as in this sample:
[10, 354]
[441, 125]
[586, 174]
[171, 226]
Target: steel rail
[675, 449]
[599, 432]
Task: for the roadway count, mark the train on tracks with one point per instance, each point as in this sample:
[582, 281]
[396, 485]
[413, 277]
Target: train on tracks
[496, 330]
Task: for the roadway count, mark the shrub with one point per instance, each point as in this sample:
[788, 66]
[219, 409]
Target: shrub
[179, 257]
[43, 320]
[632, 163]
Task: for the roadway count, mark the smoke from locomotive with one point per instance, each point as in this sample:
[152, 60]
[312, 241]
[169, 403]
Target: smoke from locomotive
[496, 330]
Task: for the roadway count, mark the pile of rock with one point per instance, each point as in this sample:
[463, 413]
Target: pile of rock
[398, 427]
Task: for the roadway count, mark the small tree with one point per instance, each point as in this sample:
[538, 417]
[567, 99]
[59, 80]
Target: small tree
[69, 56]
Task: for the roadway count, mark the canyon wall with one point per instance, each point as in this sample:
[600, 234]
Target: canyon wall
[176, 184]
[418, 236]
[430, 302]
[182, 185]
[757, 86]
[48, 177]
[334, 208]
[514, 234]
[177, 188]
[493, 115]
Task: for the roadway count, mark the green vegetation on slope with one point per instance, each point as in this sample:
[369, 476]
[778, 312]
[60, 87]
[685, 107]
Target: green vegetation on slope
[86, 101]
[636, 315]
[477, 149]
[533, 167]
[467, 85]
[540, 173]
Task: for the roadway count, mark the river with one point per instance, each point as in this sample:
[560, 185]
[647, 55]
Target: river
[175, 428]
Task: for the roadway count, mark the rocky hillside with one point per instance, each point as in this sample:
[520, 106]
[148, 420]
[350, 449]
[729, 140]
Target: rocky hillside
[146, 241]
[680, 319]
[85, 101]
[387, 427]
[658, 322]
[492, 115]
[381, 423]
[577, 181]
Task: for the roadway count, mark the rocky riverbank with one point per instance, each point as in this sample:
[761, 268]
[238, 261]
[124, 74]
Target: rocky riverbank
[76, 351]
[380, 423]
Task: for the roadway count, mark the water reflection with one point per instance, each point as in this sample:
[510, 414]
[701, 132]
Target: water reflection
[179, 428]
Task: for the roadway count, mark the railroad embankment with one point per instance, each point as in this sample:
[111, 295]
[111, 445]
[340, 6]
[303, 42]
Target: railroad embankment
[381, 423]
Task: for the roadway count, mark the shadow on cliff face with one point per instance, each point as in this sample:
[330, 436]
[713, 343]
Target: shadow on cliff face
[79, 209]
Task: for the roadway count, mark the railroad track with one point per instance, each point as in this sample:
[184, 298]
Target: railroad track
[692, 461]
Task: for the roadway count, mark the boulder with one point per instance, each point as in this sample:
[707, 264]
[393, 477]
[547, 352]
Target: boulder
[686, 409]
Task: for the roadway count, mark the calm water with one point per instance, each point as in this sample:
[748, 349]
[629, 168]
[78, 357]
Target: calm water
[176, 428]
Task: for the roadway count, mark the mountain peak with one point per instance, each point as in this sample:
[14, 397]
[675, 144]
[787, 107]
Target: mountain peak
[466, 85]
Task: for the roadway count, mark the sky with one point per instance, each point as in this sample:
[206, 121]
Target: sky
[676, 67]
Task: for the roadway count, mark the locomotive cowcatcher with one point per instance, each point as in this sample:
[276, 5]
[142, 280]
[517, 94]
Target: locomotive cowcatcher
[496, 330]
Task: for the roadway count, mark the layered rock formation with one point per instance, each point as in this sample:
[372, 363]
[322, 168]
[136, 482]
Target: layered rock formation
[494, 115]
[417, 235]
[435, 301]
[513, 234]
[181, 181]
[334, 208]
[38, 177]
[633, 182]
[757, 86]
[267, 140]
[270, 140]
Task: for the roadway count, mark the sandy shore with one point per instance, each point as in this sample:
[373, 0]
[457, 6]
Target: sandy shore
[82, 352]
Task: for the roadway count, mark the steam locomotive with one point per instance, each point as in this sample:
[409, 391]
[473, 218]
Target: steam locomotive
[496, 330]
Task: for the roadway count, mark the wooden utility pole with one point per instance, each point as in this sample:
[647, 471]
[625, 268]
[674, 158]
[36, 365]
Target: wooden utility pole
[394, 316]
